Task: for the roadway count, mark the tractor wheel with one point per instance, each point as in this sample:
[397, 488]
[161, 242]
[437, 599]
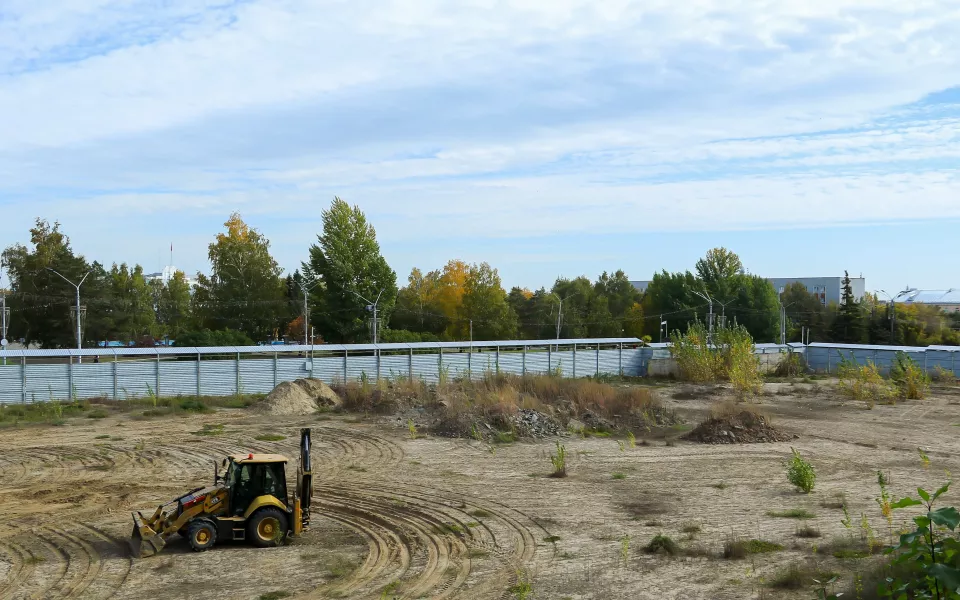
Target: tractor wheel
[201, 534]
[267, 528]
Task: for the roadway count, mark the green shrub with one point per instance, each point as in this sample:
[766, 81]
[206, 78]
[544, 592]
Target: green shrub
[732, 357]
[800, 473]
[97, 414]
[863, 382]
[193, 405]
[661, 544]
[910, 379]
[793, 513]
[559, 461]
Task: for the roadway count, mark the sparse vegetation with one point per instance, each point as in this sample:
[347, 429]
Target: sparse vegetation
[276, 595]
[807, 531]
[661, 544]
[736, 548]
[619, 476]
[800, 473]
[799, 576]
[523, 588]
[911, 381]
[270, 437]
[863, 382]
[793, 513]
[559, 461]
[732, 358]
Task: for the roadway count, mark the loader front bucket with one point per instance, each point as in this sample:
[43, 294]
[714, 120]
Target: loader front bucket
[144, 541]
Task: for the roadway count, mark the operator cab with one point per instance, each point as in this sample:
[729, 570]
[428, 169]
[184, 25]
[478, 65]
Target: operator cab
[249, 476]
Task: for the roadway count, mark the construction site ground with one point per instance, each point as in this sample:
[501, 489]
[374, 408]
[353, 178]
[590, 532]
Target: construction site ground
[399, 515]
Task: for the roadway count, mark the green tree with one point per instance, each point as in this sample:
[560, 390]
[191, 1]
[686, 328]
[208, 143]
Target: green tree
[244, 291]
[173, 305]
[347, 261]
[804, 309]
[621, 295]
[720, 271]
[42, 303]
[849, 326]
[485, 303]
[134, 315]
[670, 295]
[417, 308]
[755, 307]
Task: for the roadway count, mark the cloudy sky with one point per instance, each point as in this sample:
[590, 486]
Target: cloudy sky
[550, 138]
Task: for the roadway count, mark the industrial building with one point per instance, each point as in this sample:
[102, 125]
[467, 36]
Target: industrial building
[167, 274]
[946, 300]
[827, 289]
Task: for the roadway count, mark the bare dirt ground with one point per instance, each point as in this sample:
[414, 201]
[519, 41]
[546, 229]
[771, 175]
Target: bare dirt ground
[430, 517]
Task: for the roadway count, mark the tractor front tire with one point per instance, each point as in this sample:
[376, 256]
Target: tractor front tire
[201, 534]
[267, 528]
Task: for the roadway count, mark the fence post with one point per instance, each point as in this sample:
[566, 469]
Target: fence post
[158, 374]
[925, 361]
[276, 368]
[376, 352]
[238, 373]
[598, 360]
[345, 353]
[439, 363]
[953, 356]
[470, 362]
[574, 361]
[620, 358]
[410, 363]
[23, 378]
[198, 375]
[70, 375]
[498, 360]
[549, 359]
[115, 364]
[828, 361]
[523, 362]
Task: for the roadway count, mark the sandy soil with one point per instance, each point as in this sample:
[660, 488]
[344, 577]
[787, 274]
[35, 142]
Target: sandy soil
[439, 518]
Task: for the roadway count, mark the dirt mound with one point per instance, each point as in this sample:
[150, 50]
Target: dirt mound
[744, 427]
[300, 397]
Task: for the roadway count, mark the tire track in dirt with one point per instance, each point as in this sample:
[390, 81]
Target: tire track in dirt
[21, 567]
[427, 540]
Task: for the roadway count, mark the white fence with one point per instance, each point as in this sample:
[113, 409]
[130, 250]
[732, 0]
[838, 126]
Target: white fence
[39, 375]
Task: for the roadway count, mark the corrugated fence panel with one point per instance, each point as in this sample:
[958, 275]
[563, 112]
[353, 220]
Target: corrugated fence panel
[562, 361]
[136, 379]
[943, 359]
[511, 362]
[328, 369]
[456, 364]
[635, 362]
[610, 362]
[537, 362]
[178, 378]
[395, 366]
[93, 380]
[218, 377]
[11, 382]
[426, 367]
[45, 382]
[362, 366]
[256, 375]
[289, 369]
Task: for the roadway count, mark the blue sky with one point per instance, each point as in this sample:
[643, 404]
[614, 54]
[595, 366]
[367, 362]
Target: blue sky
[549, 138]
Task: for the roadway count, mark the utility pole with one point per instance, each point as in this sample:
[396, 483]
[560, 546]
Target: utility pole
[306, 310]
[3, 324]
[663, 329]
[710, 326]
[371, 306]
[77, 286]
[559, 312]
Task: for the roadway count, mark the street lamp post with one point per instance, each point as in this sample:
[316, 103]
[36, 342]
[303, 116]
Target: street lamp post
[77, 286]
[710, 302]
[306, 311]
[371, 306]
[559, 311]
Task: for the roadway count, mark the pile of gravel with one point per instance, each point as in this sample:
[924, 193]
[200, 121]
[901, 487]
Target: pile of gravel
[744, 427]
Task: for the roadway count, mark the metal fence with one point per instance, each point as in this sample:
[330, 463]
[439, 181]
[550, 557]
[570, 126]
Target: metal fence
[827, 358]
[40, 375]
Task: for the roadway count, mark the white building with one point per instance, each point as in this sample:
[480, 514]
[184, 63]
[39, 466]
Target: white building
[166, 275]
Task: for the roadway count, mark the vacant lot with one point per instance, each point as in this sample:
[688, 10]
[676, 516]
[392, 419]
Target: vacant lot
[400, 515]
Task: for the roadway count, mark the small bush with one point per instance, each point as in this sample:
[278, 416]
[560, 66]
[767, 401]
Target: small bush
[910, 379]
[800, 473]
[863, 383]
[661, 544]
[736, 548]
[790, 365]
[941, 375]
[277, 595]
[270, 437]
[838, 501]
[97, 414]
[559, 461]
[793, 513]
[619, 476]
[193, 405]
[691, 528]
[798, 577]
[808, 531]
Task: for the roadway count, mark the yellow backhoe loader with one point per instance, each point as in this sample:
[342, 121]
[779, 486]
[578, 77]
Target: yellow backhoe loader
[249, 502]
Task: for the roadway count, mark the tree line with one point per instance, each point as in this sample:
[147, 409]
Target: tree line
[246, 298]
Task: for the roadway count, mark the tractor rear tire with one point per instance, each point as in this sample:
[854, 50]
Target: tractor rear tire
[267, 528]
[201, 534]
